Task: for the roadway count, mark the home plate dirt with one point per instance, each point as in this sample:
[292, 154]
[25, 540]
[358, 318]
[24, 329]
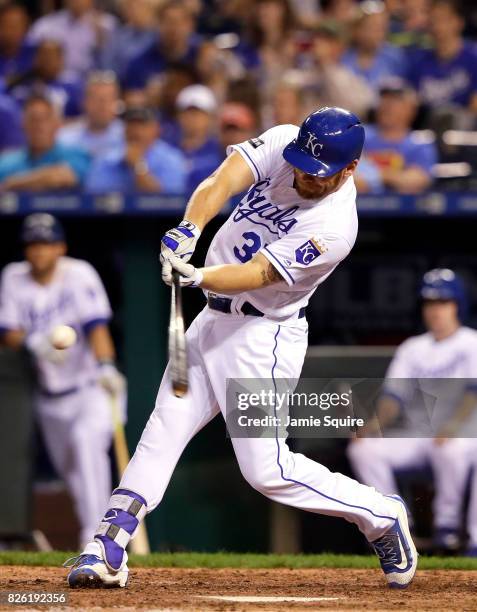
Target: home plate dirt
[248, 589]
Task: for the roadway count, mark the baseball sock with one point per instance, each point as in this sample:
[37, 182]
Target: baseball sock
[119, 524]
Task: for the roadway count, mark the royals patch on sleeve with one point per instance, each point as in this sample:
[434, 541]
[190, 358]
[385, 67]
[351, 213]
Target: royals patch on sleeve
[309, 251]
[256, 142]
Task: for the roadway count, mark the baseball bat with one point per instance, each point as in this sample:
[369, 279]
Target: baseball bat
[177, 341]
[139, 545]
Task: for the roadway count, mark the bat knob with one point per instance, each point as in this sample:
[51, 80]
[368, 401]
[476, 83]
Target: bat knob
[179, 388]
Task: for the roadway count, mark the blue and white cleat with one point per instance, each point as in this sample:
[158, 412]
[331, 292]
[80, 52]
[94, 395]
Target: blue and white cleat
[396, 551]
[91, 572]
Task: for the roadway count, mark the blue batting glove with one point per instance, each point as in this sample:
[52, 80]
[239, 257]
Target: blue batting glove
[180, 241]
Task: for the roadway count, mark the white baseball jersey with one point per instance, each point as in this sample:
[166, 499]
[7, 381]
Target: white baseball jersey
[450, 364]
[304, 239]
[74, 297]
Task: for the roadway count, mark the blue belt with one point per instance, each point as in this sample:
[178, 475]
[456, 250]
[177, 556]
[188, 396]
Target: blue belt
[47, 393]
[54, 394]
[223, 304]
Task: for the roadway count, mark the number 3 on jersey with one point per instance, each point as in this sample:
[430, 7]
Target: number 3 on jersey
[251, 245]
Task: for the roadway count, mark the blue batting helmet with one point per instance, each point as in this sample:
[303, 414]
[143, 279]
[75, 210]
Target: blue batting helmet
[41, 227]
[444, 284]
[329, 139]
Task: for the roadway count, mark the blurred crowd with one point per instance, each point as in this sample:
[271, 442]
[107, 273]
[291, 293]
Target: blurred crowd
[147, 95]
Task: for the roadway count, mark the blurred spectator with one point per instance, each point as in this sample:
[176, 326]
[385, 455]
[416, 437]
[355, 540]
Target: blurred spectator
[176, 41]
[217, 67]
[446, 74]
[343, 11]
[100, 131]
[370, 56]
[404, 158]
[42, 164]
[287, 105]
[236, 124]
[220, 17]
[11, 134]
[333, 81]
[409, 23]
[246, 91]
[394, 8]
[46, 75]
[194, 6]
[81, 30]
[144, 164]
[131, 38]
[197, 109]
[16, 55]
[161, 93]
[368, 176]
[307, 13]
[270, 46]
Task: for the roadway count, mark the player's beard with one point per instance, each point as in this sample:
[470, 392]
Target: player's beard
[315, 188]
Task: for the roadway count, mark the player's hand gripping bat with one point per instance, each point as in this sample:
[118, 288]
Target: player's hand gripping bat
[177, 341]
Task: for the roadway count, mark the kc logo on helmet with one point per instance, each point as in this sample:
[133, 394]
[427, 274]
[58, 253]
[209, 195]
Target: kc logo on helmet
[313, 145]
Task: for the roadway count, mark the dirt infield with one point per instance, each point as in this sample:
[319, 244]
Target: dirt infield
[194, 589]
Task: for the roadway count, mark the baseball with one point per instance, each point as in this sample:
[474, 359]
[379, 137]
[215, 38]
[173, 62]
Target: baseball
[62, 337]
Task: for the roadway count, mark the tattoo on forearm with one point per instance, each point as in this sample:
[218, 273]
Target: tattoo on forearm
[270, 275]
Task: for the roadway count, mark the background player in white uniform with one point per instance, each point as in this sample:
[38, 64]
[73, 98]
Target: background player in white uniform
[72, 403]
[444, 435]
[295, 224]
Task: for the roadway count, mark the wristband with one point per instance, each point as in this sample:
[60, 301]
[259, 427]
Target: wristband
[199, 277]
[188, 225]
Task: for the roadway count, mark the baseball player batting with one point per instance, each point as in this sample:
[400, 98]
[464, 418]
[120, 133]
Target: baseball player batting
[295, 224]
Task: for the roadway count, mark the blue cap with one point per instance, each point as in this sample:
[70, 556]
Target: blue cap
[329, 139]
[41, 227]
[444, 284]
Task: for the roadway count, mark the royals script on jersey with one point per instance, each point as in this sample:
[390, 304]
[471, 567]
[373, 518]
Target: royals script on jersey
[304, 239]
[74, 297]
